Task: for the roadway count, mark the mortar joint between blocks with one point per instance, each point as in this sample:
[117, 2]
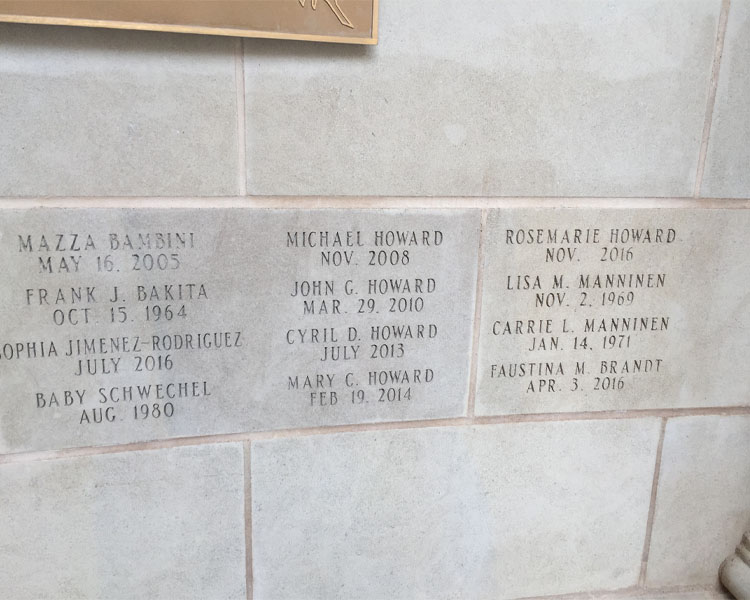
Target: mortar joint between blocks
[477, 323]
[652, 503]
[241, 117]
[711, 97]
[248, 517]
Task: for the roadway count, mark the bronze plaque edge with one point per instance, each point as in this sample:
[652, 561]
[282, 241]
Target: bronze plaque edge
[197, 29]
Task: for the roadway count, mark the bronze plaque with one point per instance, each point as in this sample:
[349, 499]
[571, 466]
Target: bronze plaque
[343, 21]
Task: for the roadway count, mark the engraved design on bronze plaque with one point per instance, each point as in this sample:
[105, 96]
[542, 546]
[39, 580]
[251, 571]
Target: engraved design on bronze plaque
[343, 19]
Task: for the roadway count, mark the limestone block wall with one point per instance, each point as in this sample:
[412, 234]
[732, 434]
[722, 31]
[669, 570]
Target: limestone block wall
[472, 119]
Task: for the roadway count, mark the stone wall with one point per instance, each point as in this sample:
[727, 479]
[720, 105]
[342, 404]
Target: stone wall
[617, 464]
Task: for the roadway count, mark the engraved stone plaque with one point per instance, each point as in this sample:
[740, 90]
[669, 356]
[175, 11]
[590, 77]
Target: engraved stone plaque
[602, 309]
[344, 21]
[123, 325]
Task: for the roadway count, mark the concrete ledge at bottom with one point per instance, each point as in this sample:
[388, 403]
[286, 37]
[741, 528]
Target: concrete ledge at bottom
[735, 570]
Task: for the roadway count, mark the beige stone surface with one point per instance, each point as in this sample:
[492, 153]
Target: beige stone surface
[702, 503]
[184, 322]
[102, 112]
[156, 524]
[614, 309]
[488, 97]
[727, 173]
[489, 512]
[668, 595]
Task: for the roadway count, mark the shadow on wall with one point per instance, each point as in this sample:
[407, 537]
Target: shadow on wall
[117, 42]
